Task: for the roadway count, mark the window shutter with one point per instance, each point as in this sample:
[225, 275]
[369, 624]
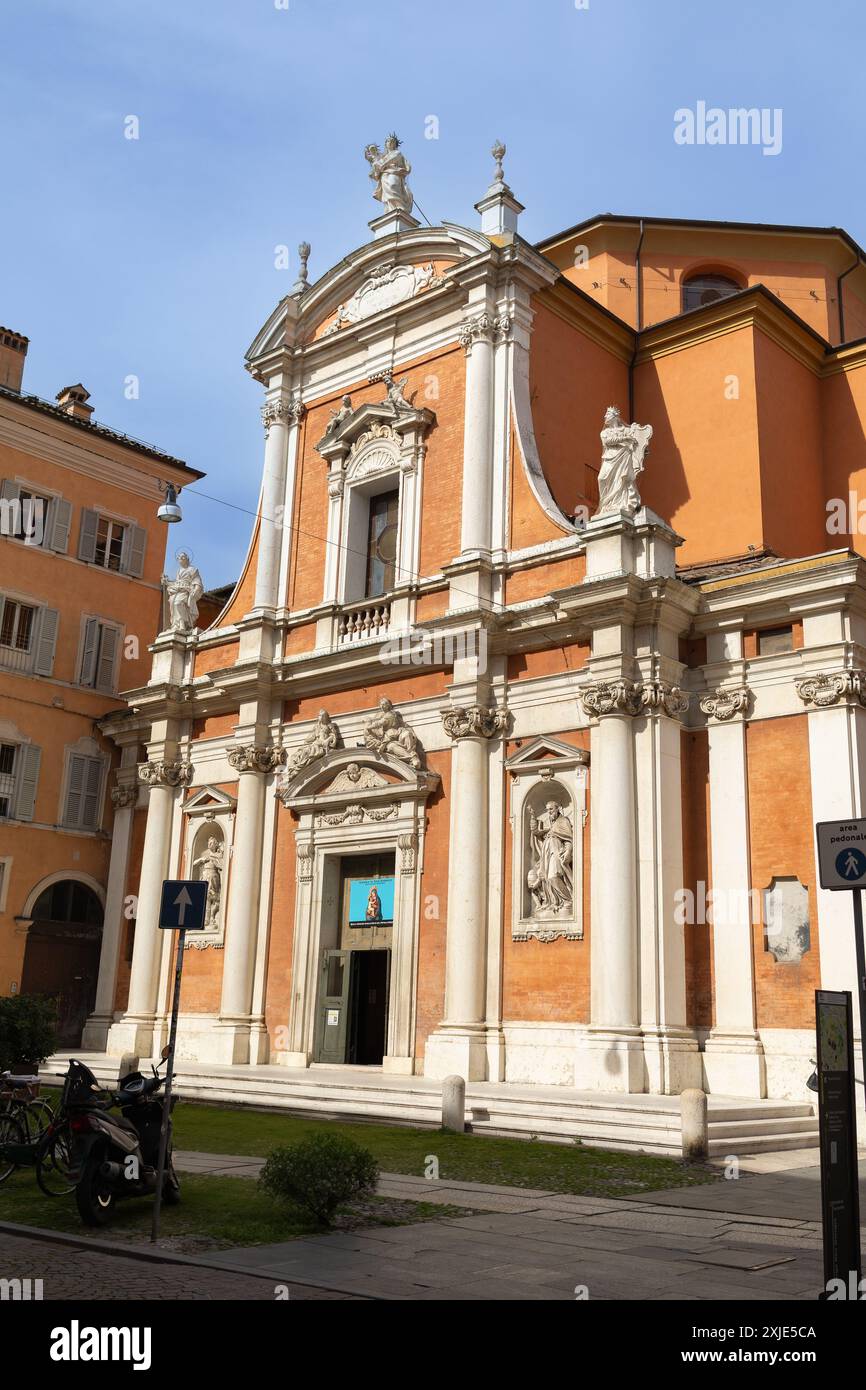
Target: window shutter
[29, 758]
[88, 656]
[107, 653]
[132, 562]
[10, 517]
[87, 536]
[46, 642]
[61, 522]
[75, 789]
[90, 801]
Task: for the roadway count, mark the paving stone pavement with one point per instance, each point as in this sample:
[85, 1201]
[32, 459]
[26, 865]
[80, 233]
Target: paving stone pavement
[757, 1237]
[71, 1272]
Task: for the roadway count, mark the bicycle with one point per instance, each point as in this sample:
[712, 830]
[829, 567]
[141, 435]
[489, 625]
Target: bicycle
[19, 1097]
[32, 1135]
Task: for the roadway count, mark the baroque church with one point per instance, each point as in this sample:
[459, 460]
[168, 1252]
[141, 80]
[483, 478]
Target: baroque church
[503, 756]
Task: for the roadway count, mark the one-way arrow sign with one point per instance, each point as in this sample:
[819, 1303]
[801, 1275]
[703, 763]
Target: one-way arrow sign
[183, 904]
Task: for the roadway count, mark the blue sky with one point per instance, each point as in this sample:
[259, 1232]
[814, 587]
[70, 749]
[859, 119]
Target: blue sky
[155, 257]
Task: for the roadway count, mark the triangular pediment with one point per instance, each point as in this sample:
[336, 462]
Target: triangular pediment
[544, 751]
[205, 799]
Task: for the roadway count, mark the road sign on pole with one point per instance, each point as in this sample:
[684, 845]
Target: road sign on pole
[183, 904]
[181, 909]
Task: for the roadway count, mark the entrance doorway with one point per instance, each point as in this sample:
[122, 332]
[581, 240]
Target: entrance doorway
[355, 972]
[61, 958]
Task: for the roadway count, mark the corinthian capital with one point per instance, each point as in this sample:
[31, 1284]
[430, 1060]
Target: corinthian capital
[124, 795]
[474, 721]
[724, 704]
[831, 687]
[174, 774]
[252, 759]
[659, 695]
[483, 328]
[611, 697]
[280, 411]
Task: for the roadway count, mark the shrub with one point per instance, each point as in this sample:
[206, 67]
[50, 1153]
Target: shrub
[320, 1174]
[28, 1029]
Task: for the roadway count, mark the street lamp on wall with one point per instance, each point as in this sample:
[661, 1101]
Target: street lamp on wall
[169, 511]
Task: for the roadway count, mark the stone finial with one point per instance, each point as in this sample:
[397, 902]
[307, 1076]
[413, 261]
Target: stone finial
[498, 152]
[301, 286]
[499, 208]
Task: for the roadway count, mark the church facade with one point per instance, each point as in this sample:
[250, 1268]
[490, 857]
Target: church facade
[504, 755]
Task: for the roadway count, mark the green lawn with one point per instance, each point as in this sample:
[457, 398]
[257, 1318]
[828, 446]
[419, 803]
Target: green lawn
[462, 1157]
[213, 1212]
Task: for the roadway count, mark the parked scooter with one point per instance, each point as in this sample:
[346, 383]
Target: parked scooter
[116, 1156]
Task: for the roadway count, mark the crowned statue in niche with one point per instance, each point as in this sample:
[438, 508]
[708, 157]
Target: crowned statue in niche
[550, 879]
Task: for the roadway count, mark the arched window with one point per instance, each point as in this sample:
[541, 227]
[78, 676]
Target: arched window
[706, 289]
[68, 901]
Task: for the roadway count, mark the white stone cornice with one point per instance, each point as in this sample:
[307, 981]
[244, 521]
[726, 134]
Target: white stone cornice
[832, 687]
[474, 721]
[725, 704]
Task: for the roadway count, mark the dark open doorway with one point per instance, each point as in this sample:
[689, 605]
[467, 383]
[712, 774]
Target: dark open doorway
[61, 958]
[368, 1007]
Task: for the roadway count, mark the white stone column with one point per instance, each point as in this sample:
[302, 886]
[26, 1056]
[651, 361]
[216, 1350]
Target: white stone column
[459, 1043]
[612, 1054]
[733, 1056]
[232, 1034]
[670, 1048]
[95, 1035]
[134, 1032]
[477, 337]
[275, 415]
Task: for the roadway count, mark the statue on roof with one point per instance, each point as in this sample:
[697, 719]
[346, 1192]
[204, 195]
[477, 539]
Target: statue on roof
[389, 170]
[623, 449]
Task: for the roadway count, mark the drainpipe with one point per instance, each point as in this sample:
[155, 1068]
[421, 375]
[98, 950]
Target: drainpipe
[839, 299]
[639, 316]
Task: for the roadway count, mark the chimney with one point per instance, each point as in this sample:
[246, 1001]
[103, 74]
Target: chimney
[13, 350]
[73, 401]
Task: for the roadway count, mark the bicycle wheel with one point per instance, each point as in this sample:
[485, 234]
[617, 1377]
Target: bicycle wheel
[54, 1163]
[11, 1132]
[36, 1116]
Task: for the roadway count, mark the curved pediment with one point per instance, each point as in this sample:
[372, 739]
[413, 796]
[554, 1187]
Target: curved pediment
[356, 775]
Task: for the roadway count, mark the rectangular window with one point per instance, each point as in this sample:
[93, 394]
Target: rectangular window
[109, 543]
[775, 639]
[81, 811]
[99, 655]
[382, 543]
[7, 778]
[34, 517]
[16, 625]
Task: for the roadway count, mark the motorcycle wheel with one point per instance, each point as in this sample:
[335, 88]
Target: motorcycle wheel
[93, 1198]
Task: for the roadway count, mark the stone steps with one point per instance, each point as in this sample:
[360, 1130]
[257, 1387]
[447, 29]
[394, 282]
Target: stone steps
[628, 1123]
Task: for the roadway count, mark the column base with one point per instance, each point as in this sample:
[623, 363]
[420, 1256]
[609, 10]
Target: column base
[734, 1064]
[610, 1059]
[495, 1045]
[456, 1051]
[399, 1066]
[260, 1045]
[291, 1059]
[94, 1038]
[672, 1060]
[227, 1043]
[132, 1033]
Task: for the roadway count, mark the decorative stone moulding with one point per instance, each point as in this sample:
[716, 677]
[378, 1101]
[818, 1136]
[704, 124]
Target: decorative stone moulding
[548, 813]
[786, 920]
[171, 774]
[385, 287]
[474, 721]
[659, 695]
[832, 687]
[725, 704]
[252, 759]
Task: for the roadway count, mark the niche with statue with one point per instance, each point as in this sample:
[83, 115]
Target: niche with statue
[548, 811]
[210, 817]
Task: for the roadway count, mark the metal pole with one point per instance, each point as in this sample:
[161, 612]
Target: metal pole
[861, 971]
[166, 1104]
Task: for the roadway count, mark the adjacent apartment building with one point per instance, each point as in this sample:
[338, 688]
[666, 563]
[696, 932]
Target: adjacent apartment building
[81, 562]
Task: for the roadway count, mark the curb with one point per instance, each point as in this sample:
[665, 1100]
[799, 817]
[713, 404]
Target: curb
[136, 1252]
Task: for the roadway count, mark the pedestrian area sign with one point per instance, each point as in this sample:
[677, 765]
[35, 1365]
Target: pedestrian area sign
[842, 853]
[183, 904]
